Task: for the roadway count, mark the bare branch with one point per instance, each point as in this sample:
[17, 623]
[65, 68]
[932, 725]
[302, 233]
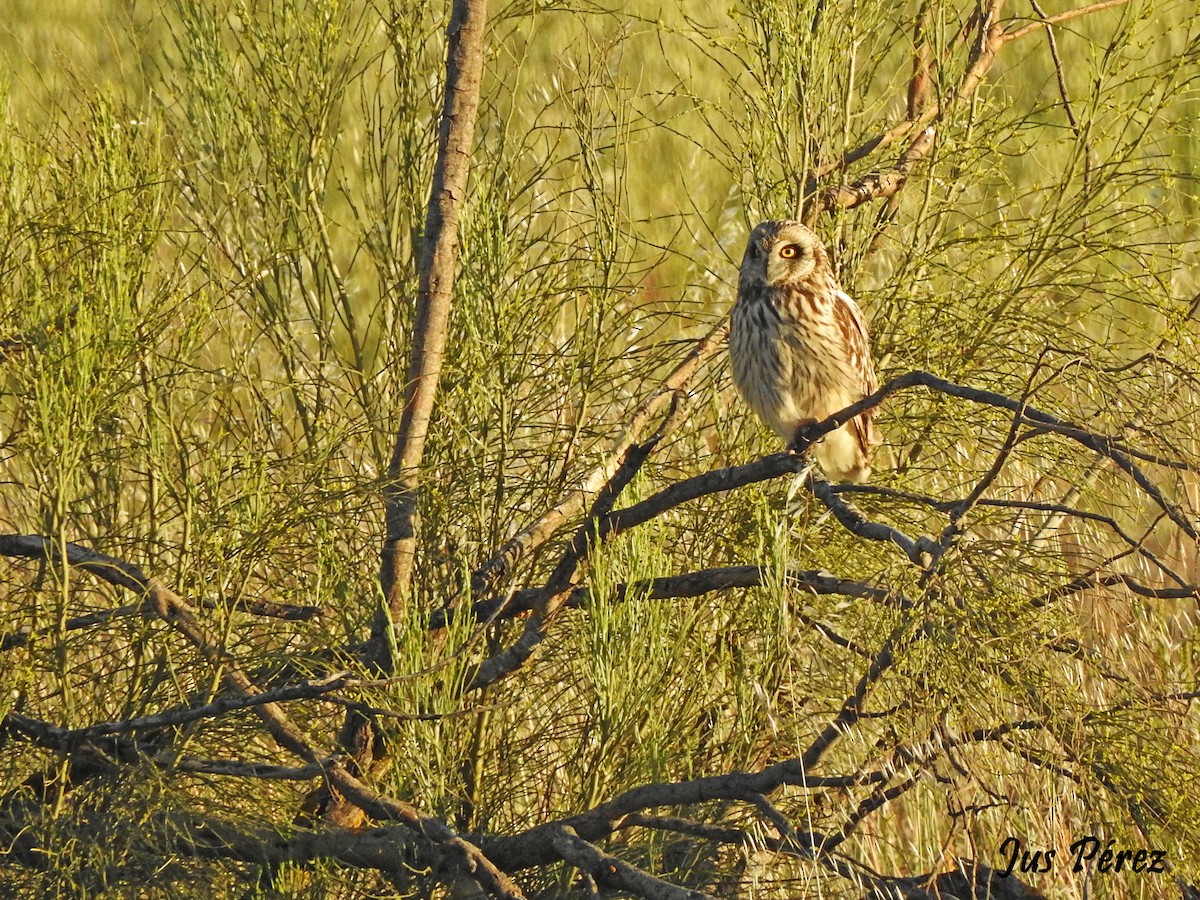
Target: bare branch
[612, 872]
[672, 390]
[852, 706]
[878, 185]
[919, 551]
[25, 636]
[690, 827]
[266, 608]
[987, 43]
[178, 613]
[1058, 18]
[436, 273]
[670, 587]
[990, 39]
[239, 769]
[1098, 443]
[439, 254]
[1090, 582]
[922, 76]
[170, 718]
[949, 506]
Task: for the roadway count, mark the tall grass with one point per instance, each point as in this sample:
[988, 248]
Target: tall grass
[208, 218]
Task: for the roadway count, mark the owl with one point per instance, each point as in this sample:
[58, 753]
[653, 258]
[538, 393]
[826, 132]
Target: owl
[799, 346]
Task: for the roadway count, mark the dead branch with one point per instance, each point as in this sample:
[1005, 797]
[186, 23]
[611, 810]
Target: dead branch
[878, 185]
[178, 613]
[990, 38]
[923, 551]
[240, 769]
[672, 587]
[1085, 583]
[1097, 443]
[436, 271]
[266, 608]
[612, 872]
[1057, 18]
[672, 390]
[922, 64]
[171, 718]
[920, 551]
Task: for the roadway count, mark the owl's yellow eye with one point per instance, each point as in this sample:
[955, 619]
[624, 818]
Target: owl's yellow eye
[790, 251]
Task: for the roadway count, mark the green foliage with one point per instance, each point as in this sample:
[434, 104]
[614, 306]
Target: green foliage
[208, 258]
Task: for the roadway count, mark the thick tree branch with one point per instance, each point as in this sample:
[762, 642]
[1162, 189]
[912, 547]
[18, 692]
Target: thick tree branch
[436, 272]
[439, 256]
[178, 613]
[922, 551]
[612, 872]
[265, 608]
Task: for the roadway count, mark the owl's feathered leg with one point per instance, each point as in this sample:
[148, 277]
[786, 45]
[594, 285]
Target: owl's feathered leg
[838, 453]
[802, 436]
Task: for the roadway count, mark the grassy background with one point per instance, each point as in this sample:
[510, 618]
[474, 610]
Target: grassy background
[206, 247]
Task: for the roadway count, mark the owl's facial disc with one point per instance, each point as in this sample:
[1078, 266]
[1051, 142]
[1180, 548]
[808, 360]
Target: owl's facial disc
[780, 252]
[792, 256]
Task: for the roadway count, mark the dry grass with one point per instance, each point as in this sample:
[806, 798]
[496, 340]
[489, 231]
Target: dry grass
[206, 257]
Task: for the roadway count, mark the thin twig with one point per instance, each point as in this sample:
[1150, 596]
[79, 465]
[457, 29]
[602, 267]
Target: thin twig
[672, 390]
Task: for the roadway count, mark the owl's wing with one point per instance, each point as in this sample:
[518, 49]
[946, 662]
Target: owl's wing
[853, 329]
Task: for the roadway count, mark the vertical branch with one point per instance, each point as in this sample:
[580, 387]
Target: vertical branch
[439, 253]
[922, 76]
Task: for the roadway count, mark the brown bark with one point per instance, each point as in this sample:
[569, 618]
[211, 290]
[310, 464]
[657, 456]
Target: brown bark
[439, 256]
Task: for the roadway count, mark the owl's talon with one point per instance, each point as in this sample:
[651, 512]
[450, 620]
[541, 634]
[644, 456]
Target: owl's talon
[805, 435]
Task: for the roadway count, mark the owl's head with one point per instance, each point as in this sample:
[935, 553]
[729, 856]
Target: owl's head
[782, 252]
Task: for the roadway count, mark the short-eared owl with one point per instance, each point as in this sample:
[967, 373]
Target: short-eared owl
[799, 346]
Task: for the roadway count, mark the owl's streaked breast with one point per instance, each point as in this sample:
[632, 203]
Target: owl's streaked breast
[776, 366]
[799, 346]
